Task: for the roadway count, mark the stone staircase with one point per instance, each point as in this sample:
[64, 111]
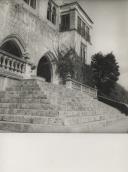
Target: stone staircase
[36, 106]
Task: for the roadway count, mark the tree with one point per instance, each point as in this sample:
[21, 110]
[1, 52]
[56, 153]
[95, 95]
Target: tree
[119, 94]
[88, 75]
[65, 64]
[105, 71]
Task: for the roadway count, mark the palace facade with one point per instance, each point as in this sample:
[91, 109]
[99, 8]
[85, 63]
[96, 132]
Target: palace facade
[30, 33]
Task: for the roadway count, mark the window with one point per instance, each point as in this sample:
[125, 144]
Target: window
[51, 12]
[54, 15]
[83, 29]
[79, 25]
[87, 37]
[65, 22]
[31, 3]
[83, 53]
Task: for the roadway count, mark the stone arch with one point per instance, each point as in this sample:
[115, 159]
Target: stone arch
[46, 67]
[14, 45]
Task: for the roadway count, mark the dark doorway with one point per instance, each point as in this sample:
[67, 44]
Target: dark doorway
[44, 69]
[12, 48]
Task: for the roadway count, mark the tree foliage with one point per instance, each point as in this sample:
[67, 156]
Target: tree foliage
[105, 71]
[88, 75]
[118, 93]
[65, 64]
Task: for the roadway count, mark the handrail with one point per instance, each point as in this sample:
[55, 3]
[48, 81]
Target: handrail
[115, 101]
[83, 85]
[73, 84]
[123, 107]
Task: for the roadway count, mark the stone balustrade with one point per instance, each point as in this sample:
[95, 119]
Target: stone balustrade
[72, 84]
[11, 64]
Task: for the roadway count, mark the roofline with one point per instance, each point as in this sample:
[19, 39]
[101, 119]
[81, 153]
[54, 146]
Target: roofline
[80, 9]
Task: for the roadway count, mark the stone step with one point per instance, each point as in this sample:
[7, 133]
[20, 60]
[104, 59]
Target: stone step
[77, 113]
[44, 106]
[22, 88]
[34, 128]
[32, 119]
[24, 100]
[22, 95]
[22, 92]
[50, 120]
[82, 119]
[71, 107]
[32, 112]
[36, 106]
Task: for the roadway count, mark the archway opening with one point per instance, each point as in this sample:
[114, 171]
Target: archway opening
[45, 69]
[12, 47]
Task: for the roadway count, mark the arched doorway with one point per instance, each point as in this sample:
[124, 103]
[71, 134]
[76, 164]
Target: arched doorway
[11, 47]
[44, 69]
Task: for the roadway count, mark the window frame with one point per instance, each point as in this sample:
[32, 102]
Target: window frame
[65, 18]
[83, 29]
[83, 52]
[29, 3]
[79, 25]
[51, 12]
[54, 15]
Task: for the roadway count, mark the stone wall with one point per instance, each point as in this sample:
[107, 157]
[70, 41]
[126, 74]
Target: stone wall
[37, 34]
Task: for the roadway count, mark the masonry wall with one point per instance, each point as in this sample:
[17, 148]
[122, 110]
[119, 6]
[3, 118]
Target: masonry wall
[37, 33]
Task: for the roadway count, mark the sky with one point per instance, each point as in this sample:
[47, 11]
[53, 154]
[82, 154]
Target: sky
[110, 30]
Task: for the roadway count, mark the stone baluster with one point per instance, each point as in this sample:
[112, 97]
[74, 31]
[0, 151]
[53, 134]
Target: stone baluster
[18, 63]
[24, 68]
[8, 63]
[68, 81]
[21, 67]
[15, 66]
[1, 59]
[11, 65]
[3, 63]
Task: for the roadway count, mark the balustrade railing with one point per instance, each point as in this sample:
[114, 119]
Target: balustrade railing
[72, 84]
[10, 64]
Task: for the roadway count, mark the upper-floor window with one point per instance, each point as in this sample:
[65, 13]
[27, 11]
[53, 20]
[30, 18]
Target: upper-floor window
[31, 3]
[79, 25]
[87, 34]
[51, 12]
[83, 52]
[54, 15]
[83, 30]
[65, 22]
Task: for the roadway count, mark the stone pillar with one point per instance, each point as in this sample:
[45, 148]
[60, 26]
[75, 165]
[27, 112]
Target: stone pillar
[68, 81]
[29, 67]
